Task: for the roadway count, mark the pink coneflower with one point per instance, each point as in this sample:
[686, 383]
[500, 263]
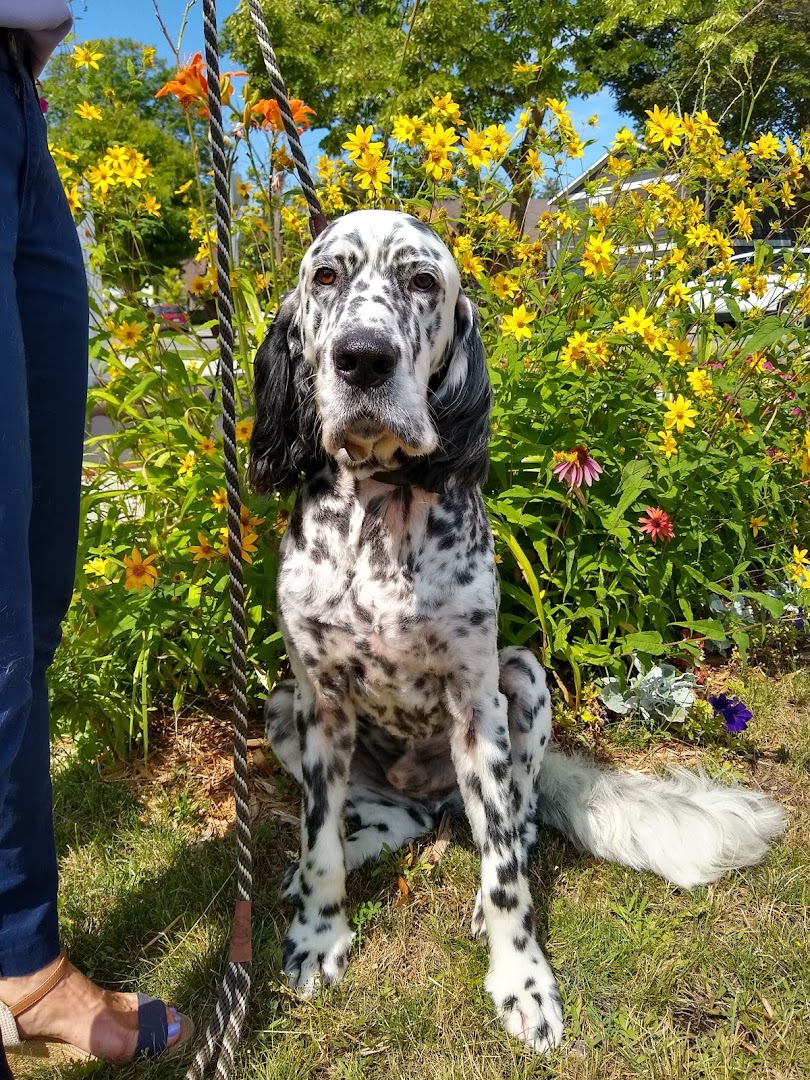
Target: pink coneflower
[655, 523]
[575, 467]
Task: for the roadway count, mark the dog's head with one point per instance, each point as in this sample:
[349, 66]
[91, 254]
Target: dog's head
[373, 360]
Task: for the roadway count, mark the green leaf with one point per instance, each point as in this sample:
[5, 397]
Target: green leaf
[709, 628]
[646, 641]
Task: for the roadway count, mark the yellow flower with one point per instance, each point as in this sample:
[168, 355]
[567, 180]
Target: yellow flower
[664, 127]
[206, 446]
[246, 522]
[244, 429]
[701, 383]
[556, 106]
[406, 129]
[596, 257]
[326, 168]
[677, 258]
[219, 500]
[517, 324]
[249, 539]
[624, 138]
[439, 142]
[668, 444]
[148, 56]
[766, 147]
[799, 555]
[199, 286]
[139, 572]
[742, 215]
[86, 111]
[116, 156]
[372, 172]
[653, 337]
[102, 177]
[474, 147]
[576, 350]
[602, 215]
[360, 142]
[680, 414]
[184, 187]
[565, 222]
[536, 166]
[204, 550]
[128, 333]
[187, 464]
[86, 56]
[150, 204]
[504, 286]
[678, 292]
[757, 522]
[499, 140]
[74, 198]
[97, 565]
[445, 106]
[634, 321]
[524, 67]
[471, 264]
[679, 350]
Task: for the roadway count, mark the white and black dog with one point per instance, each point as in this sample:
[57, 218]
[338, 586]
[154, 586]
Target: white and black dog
[372, 397]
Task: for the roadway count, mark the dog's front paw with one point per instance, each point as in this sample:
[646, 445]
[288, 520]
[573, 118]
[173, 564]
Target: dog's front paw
[478, 926]
[316, 949]
[527, 1000]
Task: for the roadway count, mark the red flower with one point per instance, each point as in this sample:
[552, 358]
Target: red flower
[655, 523]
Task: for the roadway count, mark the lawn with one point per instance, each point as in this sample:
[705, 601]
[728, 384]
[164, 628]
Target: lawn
[656, 983]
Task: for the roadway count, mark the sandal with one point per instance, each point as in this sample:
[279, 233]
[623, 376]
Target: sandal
[152, 1029]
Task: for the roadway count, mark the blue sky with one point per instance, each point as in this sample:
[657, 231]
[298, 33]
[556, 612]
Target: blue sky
[136, 19]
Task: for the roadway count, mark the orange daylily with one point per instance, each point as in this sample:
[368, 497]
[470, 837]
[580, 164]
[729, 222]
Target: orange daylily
[268, 109]
[191, 86]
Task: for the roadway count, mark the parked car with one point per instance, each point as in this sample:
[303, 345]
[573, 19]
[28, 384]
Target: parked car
[171, 314]
[734, 289]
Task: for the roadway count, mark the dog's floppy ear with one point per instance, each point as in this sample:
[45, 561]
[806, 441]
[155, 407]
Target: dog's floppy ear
[284, 445]
[460, 398]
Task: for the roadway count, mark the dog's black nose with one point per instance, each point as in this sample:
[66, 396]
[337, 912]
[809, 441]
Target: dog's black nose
[364, 361]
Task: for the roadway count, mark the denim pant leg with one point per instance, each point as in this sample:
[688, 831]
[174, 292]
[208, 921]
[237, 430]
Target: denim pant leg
[43, 380]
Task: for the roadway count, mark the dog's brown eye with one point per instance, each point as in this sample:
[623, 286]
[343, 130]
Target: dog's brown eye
[325, 276]
[423, 282]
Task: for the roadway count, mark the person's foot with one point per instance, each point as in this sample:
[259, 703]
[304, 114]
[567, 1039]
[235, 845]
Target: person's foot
[76, 1011]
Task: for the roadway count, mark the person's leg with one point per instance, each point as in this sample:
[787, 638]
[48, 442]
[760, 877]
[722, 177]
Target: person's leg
[43, 379]
[28, 931]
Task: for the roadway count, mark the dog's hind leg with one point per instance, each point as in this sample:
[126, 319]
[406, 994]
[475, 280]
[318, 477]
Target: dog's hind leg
[279, 727]
[377, 814]
[523, 681]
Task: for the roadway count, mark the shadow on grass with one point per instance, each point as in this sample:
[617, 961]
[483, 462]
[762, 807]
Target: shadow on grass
[167, 928]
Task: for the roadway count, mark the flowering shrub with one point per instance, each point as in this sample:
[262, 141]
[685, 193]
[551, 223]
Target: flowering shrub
[645, 458]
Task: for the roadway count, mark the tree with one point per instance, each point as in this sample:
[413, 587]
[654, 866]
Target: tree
[745, 61]
[117, 100]
[362, 62]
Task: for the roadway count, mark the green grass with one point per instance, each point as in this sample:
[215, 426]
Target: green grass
[656, 983]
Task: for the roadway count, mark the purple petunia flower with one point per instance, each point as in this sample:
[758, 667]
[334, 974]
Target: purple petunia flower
[735, 713]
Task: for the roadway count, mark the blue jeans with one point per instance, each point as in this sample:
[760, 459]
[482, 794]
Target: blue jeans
[43, 382]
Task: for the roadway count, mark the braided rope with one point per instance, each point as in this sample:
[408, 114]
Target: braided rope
[317, 221]
[221, 1038]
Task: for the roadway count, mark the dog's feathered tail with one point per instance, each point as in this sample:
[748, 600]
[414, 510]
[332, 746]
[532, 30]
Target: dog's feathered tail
[683, 827]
